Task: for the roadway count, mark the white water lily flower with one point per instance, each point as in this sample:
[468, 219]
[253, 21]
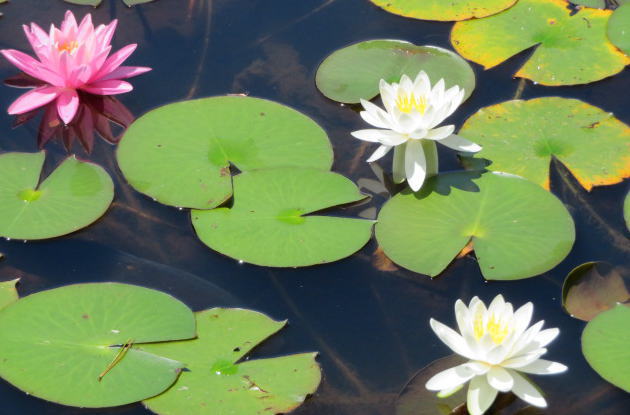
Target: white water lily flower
[499, 344]
[409, 125]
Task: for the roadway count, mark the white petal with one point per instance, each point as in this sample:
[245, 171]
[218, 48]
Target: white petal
[523, 360]
[422, 84]
[524, 389]
[462, 316]
[543, 367]
[460, 144]
[500, 379]
[398, 168]
[386, 137]
[370, 135]
[480, 395]
[450, 378]
[388, 95]
[375, 115]
[380, 152]
[453, 340]
[415, 165]
[440, 133]
[545, 337]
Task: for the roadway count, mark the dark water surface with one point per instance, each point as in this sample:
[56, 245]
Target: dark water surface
[371, 326]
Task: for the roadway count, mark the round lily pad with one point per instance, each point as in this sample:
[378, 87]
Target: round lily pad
[73, 196]
[619, 28]
[521, 137]
[216, 383]
[517, 229]
[70, 345]
[8, 293]
[271, 224]
[594, 287]
[444, 10]
[571, 48]
[180, 154]
[605, 343]
[353, 73]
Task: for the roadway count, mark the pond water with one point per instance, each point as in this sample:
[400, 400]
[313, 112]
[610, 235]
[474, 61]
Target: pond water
[370, 325]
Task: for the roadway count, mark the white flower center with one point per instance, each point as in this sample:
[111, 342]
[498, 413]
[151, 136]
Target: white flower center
[408, 102]
[497, 329]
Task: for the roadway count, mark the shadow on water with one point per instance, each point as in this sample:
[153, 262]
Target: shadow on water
[367, 317]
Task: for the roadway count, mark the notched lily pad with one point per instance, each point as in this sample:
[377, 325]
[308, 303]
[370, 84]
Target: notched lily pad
[605, 343]
[353, 73]
[217, 381]
[73, 196]
[521, 137]
[619, 28]
[594, 287]
[517, 229]
[180, 154]
[67, 345]
[8, 293]
[271, 221]
[444, 10]
[570, 48]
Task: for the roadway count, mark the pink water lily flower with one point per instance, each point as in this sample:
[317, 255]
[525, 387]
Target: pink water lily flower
[70, 58]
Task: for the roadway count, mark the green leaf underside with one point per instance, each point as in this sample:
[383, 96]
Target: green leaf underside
[594, 287]
[520, 137]
[56, 343]
[442, 10]
[266, 225]
[416, 399]
[570, 49]
[8, 293]
[353, 73]
[216, 383]
[180, 154]
[72, 197]
[605, 343]
[518, 230]
[619, 28]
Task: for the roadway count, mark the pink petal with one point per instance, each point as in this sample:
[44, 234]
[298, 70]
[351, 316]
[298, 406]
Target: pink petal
[124, 72]
[33, 99]
[86, 26]
[67, 105]
[69, 25]
[115, 61]
[31, 66]
[109, 87]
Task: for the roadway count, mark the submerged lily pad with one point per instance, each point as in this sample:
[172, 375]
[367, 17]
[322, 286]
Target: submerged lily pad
[594, 287]
[571, 48]
[216, 383]
[517, 229]
[73, 196]
[270, 223]
[619, 28]
[59, 344]
[353, 73]
[180, 154]
[605, 343]
[444, 10]
[8, 293]
[521, 137]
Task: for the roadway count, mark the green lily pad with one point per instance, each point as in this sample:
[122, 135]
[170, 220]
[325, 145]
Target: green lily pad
[444, 11]
[73, 196]
[571, 48]
[596, 4]
[216, 383]
[180, 153]
[57, 344]
[270, 223]
[353, 73]
[594, 287]
[605, 343]
[626, 210]
[521, 137]
[416, 399]
[517, 229]
[619, 28]
[8, 293]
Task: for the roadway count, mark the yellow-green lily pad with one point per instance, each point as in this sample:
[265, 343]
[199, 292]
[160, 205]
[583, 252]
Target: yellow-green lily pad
[570, 48]
[75, 194]
[353, 73]
[521, 137]
[517, 229]
[444, 10]
[8, 293]
[272, 223]
[619, 28]
[218, 381]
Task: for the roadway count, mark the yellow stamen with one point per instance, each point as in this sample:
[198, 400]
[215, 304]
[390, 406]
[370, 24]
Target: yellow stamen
[68, 46]
[497, 330]
[407, 103]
